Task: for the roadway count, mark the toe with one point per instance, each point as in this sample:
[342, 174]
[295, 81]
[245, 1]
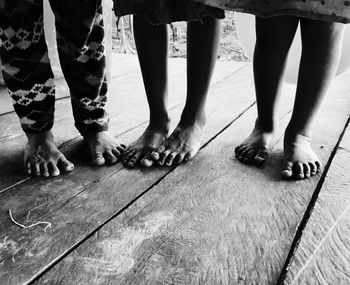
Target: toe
[65, 164]
[169, 160]
[121, 150]
[313, 168]
[249, 156]
[117, 153]
[287, 170]
[261, 157]
[147, 161]
[98, 158]
[53, 169]
[162, 157]
[44, 170]
[28, 168]
[298, 170]
[189, 156]
[134, 160]
[243, 154]
[179, 158]
[128, 155]
[237, 149]
[240, 151]
[319, 166]
[109, 156]
[35, 169]
[307, 170]
[156, 154]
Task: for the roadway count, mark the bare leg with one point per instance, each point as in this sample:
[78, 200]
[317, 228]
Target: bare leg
[42, 157]
[274, 38]
[319, 61]
[152, 47]
[185, 141]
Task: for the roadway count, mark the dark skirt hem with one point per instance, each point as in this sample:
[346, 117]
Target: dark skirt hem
[181, 11]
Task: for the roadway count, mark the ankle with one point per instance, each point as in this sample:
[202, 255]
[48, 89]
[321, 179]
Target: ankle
[40, 137]
[265, 126]
[160, 124]
[193, 119]
[292, 131]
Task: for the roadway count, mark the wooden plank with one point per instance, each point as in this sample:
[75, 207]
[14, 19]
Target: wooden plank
[212, 221]
[94, 194]
[323, 253]
[122, 117]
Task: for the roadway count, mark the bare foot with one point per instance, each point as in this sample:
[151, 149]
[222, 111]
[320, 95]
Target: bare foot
[254, 149]
[182, 145]
[300, 160]
[42, 157]
[139, 152]
[104, 147]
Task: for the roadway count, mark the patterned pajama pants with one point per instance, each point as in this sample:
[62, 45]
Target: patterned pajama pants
[26, 66]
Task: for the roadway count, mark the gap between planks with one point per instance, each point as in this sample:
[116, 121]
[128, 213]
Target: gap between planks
[305, 219]
[152, 194]
[220, 115]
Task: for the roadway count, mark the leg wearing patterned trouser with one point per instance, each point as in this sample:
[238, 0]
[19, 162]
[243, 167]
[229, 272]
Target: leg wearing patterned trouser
[80, 40]
[29, 79]
[27, 70]
[26, 67]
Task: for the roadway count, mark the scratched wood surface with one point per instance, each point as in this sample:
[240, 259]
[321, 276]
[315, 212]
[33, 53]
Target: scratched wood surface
[60, 200]
[211, 221]
[323, 254]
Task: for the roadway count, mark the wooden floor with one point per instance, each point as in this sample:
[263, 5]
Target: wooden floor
[210, 221]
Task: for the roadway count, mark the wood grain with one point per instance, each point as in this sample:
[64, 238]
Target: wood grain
[323, 254]
[212, 221]
[79, 202]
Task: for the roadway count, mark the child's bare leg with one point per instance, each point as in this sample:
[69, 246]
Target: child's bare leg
[320, 58]
[42, 157]
[274, 38]
[185, 141]
[152, 47]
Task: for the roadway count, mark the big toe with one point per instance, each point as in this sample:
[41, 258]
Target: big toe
[147, 160]
[98, 159]
[261, 157]
[65, 165]
[287, 171]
